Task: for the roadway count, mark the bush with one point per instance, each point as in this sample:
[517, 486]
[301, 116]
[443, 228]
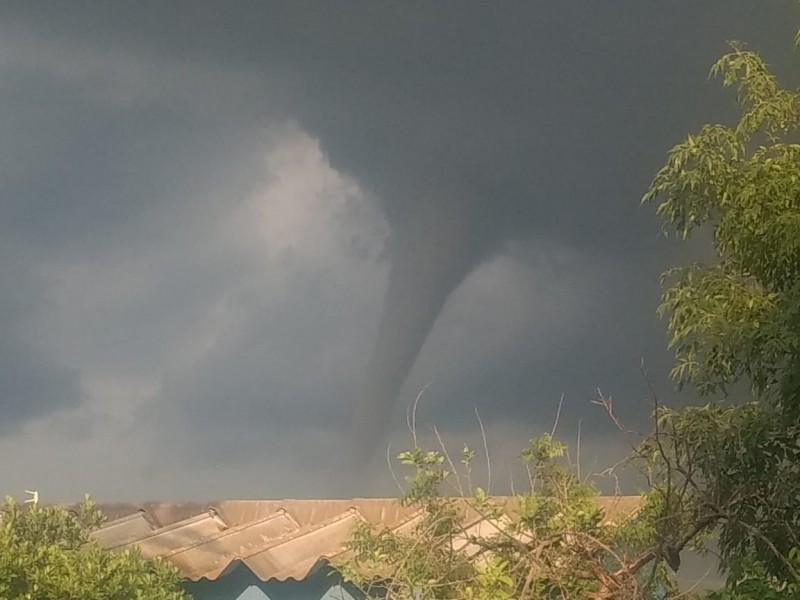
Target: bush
[46, 554]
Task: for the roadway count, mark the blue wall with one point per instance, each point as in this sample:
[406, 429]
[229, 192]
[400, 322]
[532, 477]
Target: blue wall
[241, 584]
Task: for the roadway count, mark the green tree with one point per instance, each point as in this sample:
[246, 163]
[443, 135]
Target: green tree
[738, 320]
[553, 542]
[46, 554]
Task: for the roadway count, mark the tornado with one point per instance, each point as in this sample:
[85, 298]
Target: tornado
[432, 253]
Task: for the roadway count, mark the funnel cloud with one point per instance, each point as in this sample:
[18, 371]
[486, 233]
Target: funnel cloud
[237, 236]
[429, 260]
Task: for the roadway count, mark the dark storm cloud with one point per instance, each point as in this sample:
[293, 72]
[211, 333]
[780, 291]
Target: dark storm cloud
[81, 173]
[497, 141]
[538, 116]
[33, 383]
[93, 143]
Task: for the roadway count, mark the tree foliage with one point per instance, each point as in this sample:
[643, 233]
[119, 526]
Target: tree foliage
[554, 541]
[738, 469]
[46, 554]
[739, 320]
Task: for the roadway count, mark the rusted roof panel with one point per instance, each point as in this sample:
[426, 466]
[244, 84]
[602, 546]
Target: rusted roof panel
[160, 514]
[165, 514]
[179, 535]
[294, 557]
[211, 556]
[123, 531]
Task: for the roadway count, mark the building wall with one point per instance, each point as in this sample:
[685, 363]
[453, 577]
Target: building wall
[241, 584]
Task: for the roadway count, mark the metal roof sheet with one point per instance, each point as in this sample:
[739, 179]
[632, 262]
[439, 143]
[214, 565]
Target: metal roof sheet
[281, 539]
[123, 531]
[160, 514]
[210, 557]
[180, 535]
[386, 511]
[294, 557]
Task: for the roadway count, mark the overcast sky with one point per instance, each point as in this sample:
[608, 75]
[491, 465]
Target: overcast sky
[236, 235]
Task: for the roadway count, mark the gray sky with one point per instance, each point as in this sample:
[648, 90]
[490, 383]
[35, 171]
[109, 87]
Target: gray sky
[205, 203]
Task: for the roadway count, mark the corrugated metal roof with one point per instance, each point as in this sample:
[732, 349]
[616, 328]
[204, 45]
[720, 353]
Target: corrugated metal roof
[124, 530]
[277, 539]
[182, 534]
[210, 557]
[295, 556]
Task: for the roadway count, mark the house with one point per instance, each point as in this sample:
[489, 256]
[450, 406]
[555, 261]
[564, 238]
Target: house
[257, 549]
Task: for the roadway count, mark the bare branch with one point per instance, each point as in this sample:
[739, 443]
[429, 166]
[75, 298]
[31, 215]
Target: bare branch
[450, 462]
[411, 414]
[391, 468]
[486, 451]
[558, 416]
